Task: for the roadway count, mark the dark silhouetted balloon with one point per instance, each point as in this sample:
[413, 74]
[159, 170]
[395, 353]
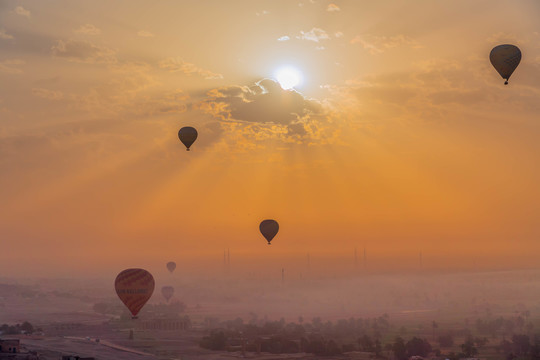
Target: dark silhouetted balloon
[167, 292]
[269, 229]
[134, 287]
[171, 265]
[505, 59]
[187, 136]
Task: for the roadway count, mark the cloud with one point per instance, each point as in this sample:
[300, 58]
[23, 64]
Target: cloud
[332, 8]
[338, 34]
[10, 66]
[265, 111]
[283, 38]
[88, 29]
[176, 64]
[378, 44]
[19, 10]
[436, 91]
[503, 38]
[314, 34]
[4, 35]
[47, 94]
[83, 51]
[144, 33]
[128, 84]
[265, 102]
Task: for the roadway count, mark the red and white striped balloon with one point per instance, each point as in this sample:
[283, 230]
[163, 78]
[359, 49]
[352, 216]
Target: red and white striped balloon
[134, 287]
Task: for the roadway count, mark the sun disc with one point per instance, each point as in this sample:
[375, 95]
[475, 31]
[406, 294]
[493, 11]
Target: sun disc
[288, 77]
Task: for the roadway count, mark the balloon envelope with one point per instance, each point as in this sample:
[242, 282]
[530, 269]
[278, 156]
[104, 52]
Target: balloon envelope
[167, 292]
[171, 265]
[134, 287]
[187, 136]
[505, 59]
[269, 228]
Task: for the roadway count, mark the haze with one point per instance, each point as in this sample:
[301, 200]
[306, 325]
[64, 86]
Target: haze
[401, 137]
[402, 172]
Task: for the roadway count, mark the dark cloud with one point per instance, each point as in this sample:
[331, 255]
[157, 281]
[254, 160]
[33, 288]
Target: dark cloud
[296, 129]
[252, 116]
[265, 102]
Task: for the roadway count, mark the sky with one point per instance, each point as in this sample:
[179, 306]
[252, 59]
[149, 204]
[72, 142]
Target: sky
[401, 138]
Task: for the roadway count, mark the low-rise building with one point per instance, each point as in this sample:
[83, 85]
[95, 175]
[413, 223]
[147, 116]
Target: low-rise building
[165, 324]
[10, 346]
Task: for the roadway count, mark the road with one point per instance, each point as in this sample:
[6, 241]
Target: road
[52, 348]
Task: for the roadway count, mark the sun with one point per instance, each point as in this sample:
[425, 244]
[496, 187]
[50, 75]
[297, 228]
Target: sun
[288, 77]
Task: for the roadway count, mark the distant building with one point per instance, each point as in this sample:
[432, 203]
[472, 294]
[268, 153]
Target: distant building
[166, 324]
[10, 346]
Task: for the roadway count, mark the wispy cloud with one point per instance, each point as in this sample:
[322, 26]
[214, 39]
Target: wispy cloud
[83, 51]
[502, 38]
[10, 66]
[47, 94]
[332, 8]
[128, 84]
[4, 35]
[283, 38]
[379, 44]
[176, 64]
[144, 33]
[314, 34]
[19, 10]
[88, 29]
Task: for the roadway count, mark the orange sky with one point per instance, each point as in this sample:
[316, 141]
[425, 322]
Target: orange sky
[401, 138]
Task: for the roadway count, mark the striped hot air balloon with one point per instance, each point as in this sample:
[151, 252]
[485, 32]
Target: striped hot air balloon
[134, 287]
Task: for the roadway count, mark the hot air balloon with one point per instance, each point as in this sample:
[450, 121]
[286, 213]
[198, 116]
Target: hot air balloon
[167, 292]
[505, 59]
[134, 287]
[269, 229]
[171, 265]
[187, 136]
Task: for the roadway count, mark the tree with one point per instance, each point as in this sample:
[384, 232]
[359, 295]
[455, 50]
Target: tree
[468, 348]
[520, 345]
[27, 327]
[400, 352]
[332, 348]
[481, 342]
[215, 341]
[366, 344]
[434, 325]
[377, 349]
[417, 346]
[446, 340]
